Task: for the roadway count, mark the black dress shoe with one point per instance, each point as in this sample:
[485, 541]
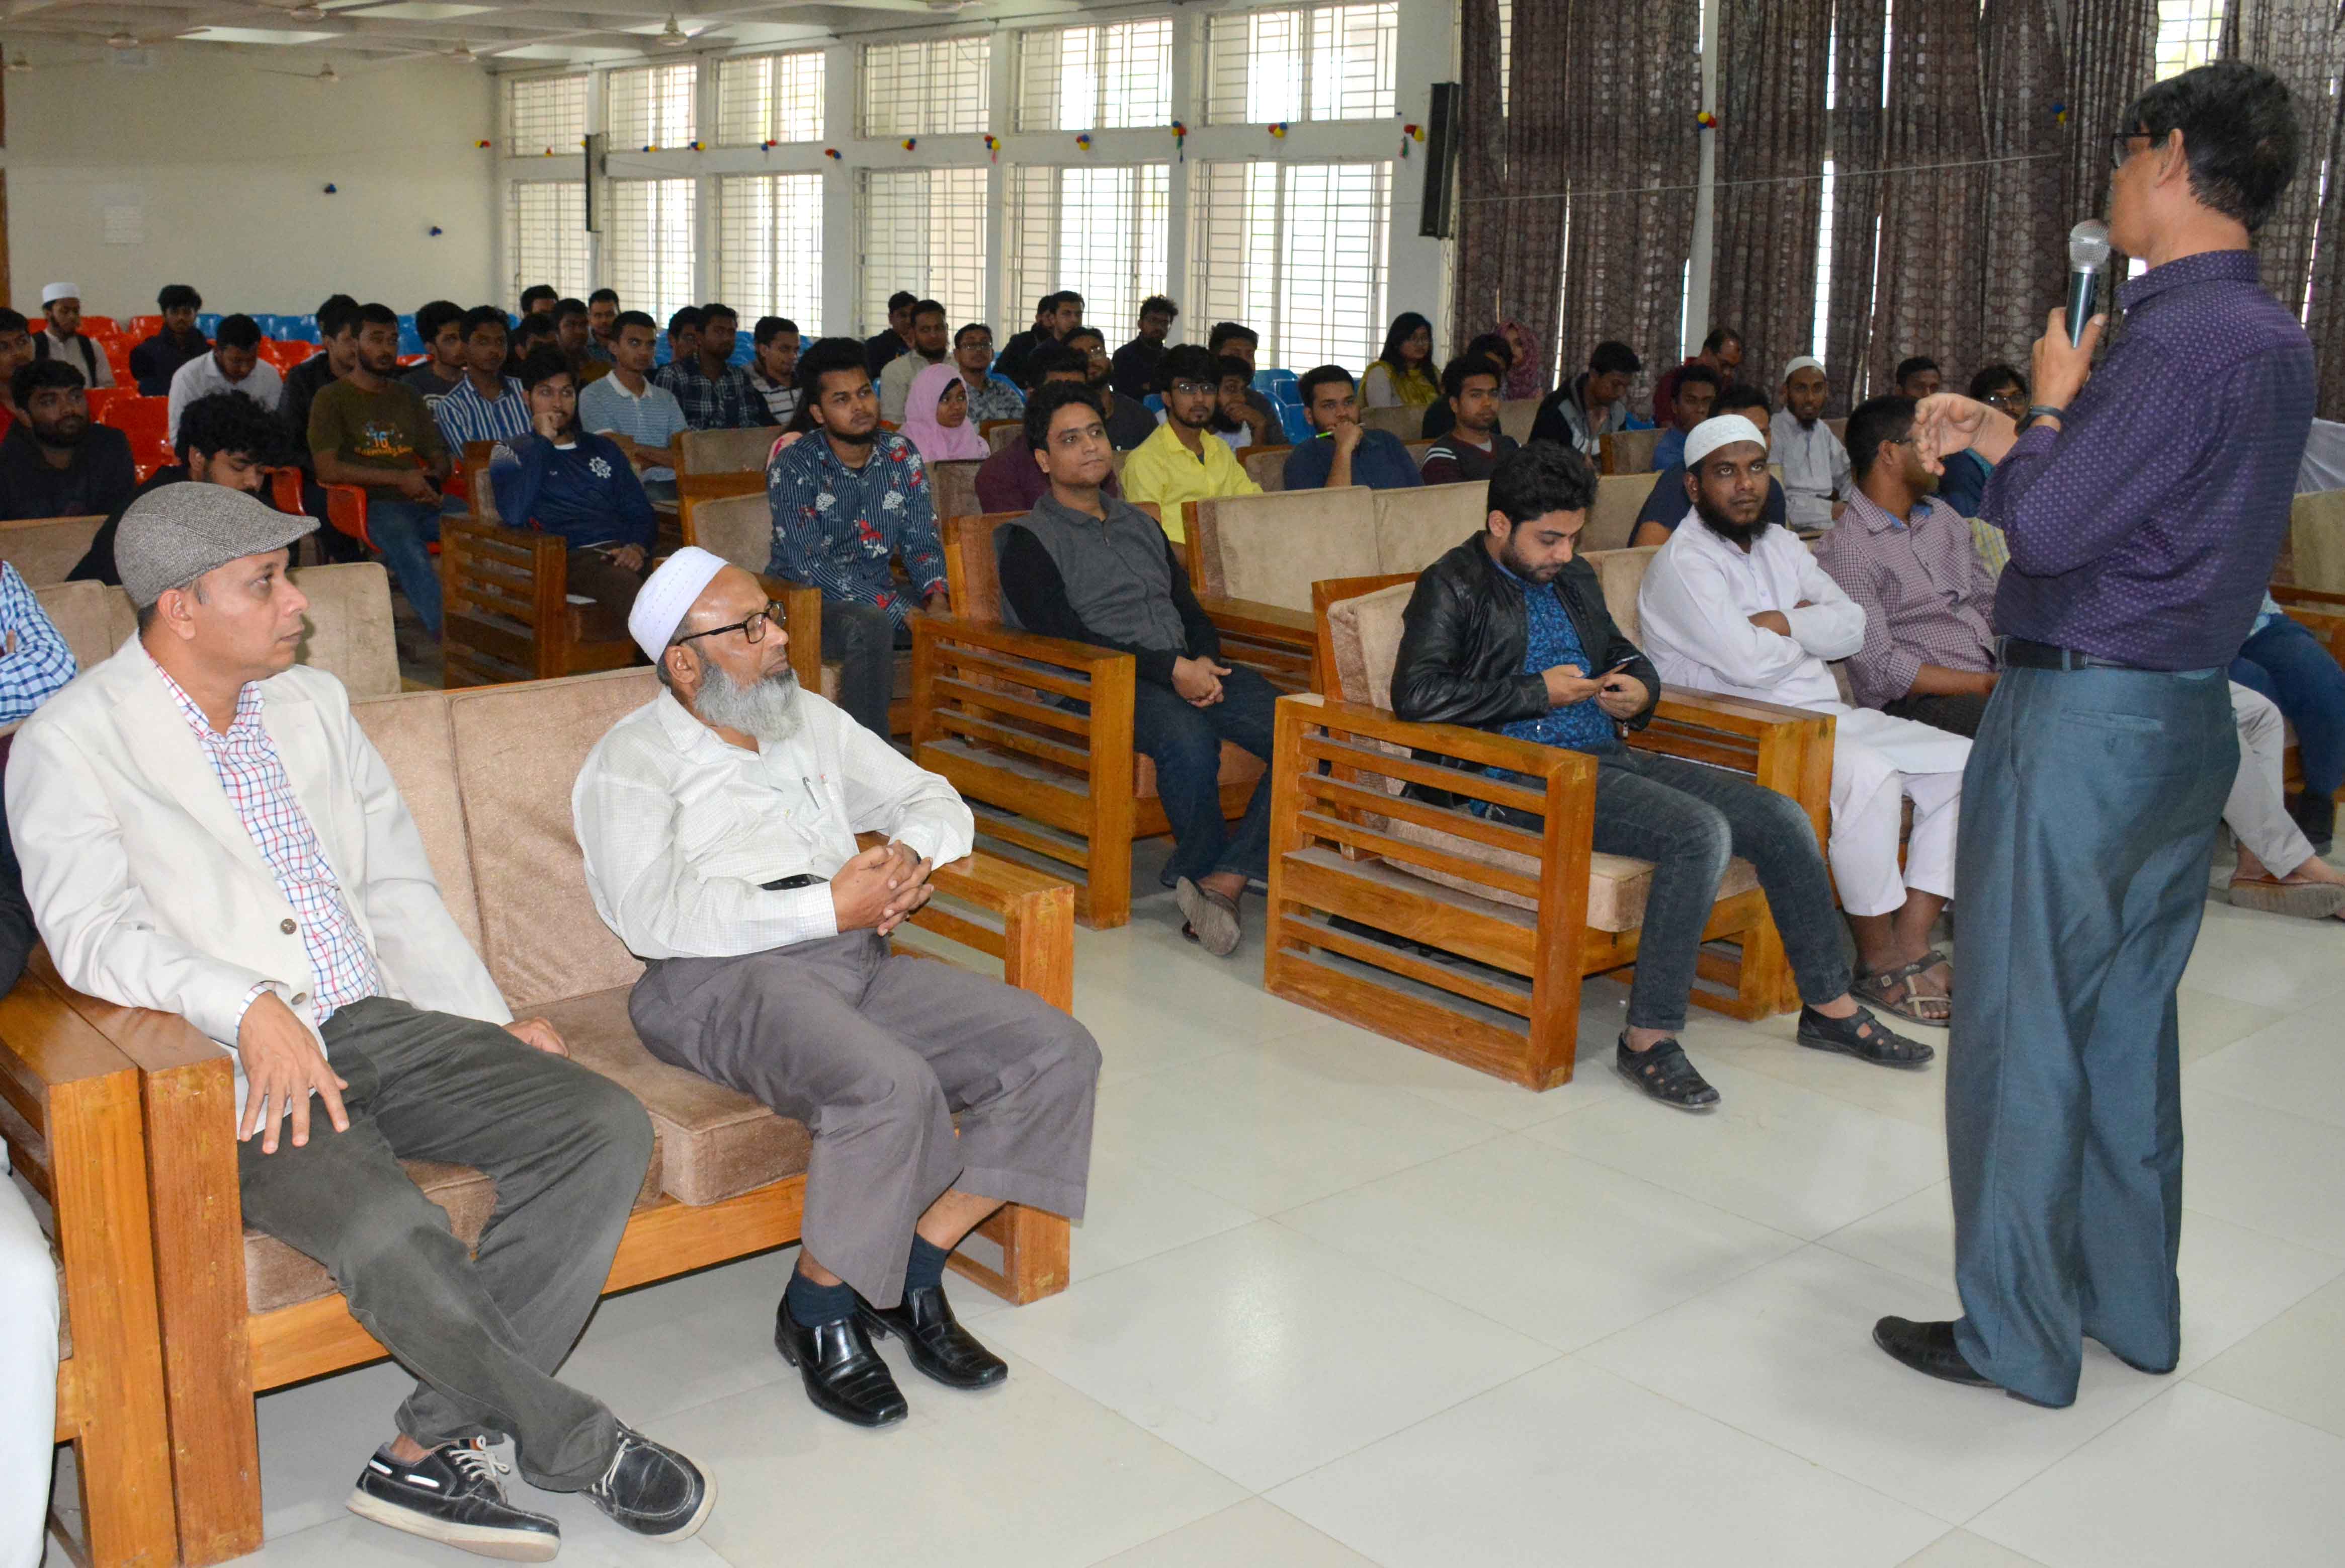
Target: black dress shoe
[844, 1375]
[452, 1495]
[940, 1347]
[1928, 1348]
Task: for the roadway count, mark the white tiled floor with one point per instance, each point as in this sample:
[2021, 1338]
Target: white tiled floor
[1339, 1303]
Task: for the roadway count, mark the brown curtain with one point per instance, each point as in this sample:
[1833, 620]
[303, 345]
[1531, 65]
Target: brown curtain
[2325, 319]
[2111, 56]
[1629, 97]
[2026, 227]
[2303, 42]
[1538, 169]
[1477, 278]
[1856, 130]
[1770, 158]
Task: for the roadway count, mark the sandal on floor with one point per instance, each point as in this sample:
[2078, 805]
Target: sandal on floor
[2306, 900]
[1862, 1036]
[1874, 988]
[1664, 1075]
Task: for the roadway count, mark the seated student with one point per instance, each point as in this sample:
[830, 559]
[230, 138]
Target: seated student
[896, 338]
[233, 365]
[61, 337]
[1235, 419]
[1664, 507]
[601, 325]
[441, 324]
[1136, 365]
[1918, 377]
[487, 405]
[1963, 485]
[1814, 462]
[56, 461]
[716, 394]
[989, 396]
[563, 480]
[1732, 604]
[642, 417]
[206, 829]
[1344, 452]
[1182, 463]
[2289, 665]
[1721, 352]
[1402, 373]
[930, 346]
[847, 500]
[1508, 631]
[935, 415]
[1474, 445]
[1128, 422]
[156, 360]
[934, 1094]
[15, 351]
[1011, 480]
[1593, 404]
[773, 366]
[1440, 419]
[1088, 567]
[1697, 395]
[573, 334]
[369, 430]
[1250, 410]
[539, 300]
[223, 439]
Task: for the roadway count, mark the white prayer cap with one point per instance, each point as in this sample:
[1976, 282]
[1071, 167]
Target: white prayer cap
[666, 598]
[53, 292]
[1804, 363]
[1712, 433]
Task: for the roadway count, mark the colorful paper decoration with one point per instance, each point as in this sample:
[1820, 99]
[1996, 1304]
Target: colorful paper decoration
[1706, 120]
[437, 231]
[482, 142]
[330, 191]
[700, 147]
[1084, 141]
[992, 148]
[2060, 113]
[910, 142]
[831, 153]
[1180, 141]
[1409, 134]
[764, 147]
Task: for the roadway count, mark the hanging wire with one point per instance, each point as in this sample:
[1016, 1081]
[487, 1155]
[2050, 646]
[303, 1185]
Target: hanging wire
[1838, 176]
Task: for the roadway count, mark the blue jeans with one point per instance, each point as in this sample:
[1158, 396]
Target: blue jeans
[1186, 744]
[402, 530]
[2289, 665]
[2088, 818]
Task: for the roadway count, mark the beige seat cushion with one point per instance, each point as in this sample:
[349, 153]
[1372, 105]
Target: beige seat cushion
[411, 732]
[1618, 498]
[715, 1142]
[44, 549]
[952, 487]
[93, 618]
[1631, 452]
[349, 632]
[738, 527]
[1272, 548]
[1267, 466]
[1517, 415]
[2316, 540]
[1416, 528]
[1621, 573]
[723, 451]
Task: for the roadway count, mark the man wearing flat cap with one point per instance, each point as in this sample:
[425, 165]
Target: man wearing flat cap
[718, 822]
[207, 830]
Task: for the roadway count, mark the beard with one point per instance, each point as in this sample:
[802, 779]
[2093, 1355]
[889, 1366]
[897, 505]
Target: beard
[766, 711]
[1741, 534]
[68, 432]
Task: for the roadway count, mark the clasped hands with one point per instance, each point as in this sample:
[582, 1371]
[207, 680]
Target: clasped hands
[880, 888]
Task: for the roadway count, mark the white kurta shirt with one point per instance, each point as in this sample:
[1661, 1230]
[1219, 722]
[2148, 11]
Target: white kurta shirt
[1815, 468]
[681, 830]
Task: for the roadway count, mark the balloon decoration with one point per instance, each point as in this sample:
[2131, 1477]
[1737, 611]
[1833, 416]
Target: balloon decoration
[992, 148]
[330, 191]
[1278, 130]
[1180, 141]
[1084, 141]
[700, 147]
[831, 153]
[910, 142]
[1409, 134]
[765, 147]
[437, 231]
[1706, 120]
[482, 142]
[2060, 113]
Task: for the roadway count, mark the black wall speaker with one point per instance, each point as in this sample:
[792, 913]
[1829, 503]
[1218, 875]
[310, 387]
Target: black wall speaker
[1436, 218]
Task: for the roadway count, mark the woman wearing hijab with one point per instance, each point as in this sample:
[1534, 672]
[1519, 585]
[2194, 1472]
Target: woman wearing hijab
[935, 417]
[1526, 371]
[1402, 377]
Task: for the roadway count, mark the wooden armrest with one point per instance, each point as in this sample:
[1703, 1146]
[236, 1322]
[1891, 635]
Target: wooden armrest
[45, 1049]
[1736, 715]
[1263, 623]
[1483, 748]
[1088, 658]
[2290, 595]
[1032, 923]
[802, 618]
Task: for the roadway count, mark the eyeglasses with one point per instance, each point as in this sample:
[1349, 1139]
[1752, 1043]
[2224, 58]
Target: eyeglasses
[1196, 389]
[2119, 148]
[752, 630]
[2010, 397]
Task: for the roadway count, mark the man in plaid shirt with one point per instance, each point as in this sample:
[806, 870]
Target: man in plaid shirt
[848, 500]
[715, 394]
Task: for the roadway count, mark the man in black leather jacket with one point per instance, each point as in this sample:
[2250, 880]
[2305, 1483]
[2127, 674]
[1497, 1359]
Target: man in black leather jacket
[1510, 632]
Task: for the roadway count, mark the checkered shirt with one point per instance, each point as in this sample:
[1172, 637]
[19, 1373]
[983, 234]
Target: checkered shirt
[39, 663]
[728, 402]
[245, 760]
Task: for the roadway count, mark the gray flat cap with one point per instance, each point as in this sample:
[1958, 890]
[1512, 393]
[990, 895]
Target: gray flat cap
[178, 533]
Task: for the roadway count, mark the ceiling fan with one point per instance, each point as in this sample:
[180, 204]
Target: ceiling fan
[674, 37]
[326, 73]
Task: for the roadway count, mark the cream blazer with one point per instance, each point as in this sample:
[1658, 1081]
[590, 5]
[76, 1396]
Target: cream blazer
[150, 893]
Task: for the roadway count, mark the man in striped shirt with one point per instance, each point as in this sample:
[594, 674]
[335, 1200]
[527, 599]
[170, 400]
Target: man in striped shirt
[487, 405]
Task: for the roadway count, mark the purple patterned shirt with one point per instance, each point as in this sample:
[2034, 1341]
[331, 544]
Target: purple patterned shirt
[2147, 530]
[1924, 590]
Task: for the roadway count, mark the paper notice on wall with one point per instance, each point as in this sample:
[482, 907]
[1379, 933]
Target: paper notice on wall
[125, 224]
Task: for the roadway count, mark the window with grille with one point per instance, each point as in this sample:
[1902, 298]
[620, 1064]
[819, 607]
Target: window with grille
[649, 238]
[1311, 63]
[935, 86]
[1823, 265]
[2189, 35]
[1095, 78]
[922, 229]
[769, 98]
[1296, 252]
[651, 106]
[1506, 55]
[544, 114]
[1099, 230]
[769, 247]
[545, 235]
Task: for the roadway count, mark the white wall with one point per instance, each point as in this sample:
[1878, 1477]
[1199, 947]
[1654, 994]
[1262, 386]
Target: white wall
[221, 168]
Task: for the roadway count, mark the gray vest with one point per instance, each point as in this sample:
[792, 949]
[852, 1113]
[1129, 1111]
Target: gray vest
[1118, 576]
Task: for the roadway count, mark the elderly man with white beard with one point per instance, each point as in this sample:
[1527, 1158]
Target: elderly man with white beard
[718, 822]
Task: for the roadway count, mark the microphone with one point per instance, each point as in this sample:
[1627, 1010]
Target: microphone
[2088, 252]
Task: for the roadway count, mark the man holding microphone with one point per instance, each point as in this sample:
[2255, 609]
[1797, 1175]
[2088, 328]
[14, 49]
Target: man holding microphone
[2144, 506]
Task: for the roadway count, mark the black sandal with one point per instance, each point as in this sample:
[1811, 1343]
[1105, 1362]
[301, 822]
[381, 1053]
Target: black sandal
[1862, 1036]
[1664, 1075]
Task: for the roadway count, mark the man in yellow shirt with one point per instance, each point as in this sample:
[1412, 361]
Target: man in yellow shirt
[1183, 462]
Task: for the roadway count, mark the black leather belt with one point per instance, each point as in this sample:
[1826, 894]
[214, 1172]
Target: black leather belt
[2018, 652]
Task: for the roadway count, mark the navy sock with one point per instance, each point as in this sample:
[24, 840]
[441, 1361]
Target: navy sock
[927, 1265]
[810, 1304]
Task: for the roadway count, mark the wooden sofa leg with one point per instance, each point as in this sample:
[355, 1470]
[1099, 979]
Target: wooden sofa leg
[1034, 1250]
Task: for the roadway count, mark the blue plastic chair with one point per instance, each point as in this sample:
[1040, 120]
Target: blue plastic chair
[297, 330]
[1290, 417]
[1153, 403]
[1277, 384]
[208, 323]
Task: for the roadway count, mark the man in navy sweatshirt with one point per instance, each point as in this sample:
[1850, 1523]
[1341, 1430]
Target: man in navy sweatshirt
[564, 480]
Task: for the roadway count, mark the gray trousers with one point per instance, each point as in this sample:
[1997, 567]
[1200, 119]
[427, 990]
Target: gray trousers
[879, 1055]
[2090, 809]
[863, 639]
[482, 1332]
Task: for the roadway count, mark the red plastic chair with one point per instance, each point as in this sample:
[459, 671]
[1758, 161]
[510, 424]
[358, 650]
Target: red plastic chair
[144, 327]
[99, 397]
[100, 326]
[147, 422]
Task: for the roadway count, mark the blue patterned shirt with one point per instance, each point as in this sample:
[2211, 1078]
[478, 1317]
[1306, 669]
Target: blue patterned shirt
[37, 662]
[465, 415]
[728, 402]
[835, 528]
[1554, 640]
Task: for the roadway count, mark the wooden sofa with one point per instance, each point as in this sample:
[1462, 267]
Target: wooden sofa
[991, 712]
[1518, 918]
[714, 463]
[504, 601]
[44, 549]
[488, 775]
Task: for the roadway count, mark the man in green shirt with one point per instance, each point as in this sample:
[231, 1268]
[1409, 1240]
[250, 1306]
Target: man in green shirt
[372, 431]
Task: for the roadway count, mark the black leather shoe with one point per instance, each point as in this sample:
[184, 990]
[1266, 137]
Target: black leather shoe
[844, 1375]
[940, 1347]
[652, 1490]
[452, 1495]
[1928, 1348]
